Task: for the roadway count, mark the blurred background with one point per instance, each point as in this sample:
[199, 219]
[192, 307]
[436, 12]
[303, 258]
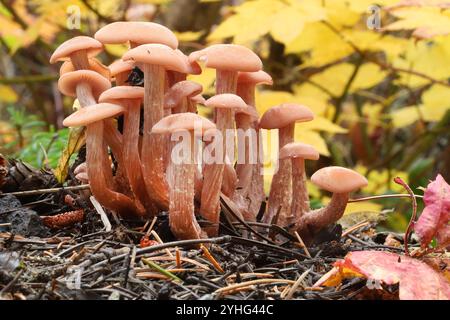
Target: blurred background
[375, 72]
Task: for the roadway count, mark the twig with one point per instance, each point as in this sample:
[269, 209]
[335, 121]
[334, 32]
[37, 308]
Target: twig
[11, 283]
[211, 259]
[300, 240]
[241, 285]
[399, 181]
[156, 236]
[98, 207]
[43, 191]
[297, 284]
[384, 196]
[161, 270]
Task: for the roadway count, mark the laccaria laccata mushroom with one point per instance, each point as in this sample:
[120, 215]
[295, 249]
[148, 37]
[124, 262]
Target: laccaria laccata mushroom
[341, 182]
[225, 106]
[178, 97]
[78, 50]
[94, 65]
[93, 117]
[283, 118]
[154, 59]
[298, 153]
[120, 71]
[181, 171]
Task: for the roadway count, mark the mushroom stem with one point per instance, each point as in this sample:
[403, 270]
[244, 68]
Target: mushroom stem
[213, 177]
[80, 60]
[226, 81]
[96, 158]
[153, 146]
[281, 187]
[313, 221]
[300, 198]
[182, 221]
[121, 78]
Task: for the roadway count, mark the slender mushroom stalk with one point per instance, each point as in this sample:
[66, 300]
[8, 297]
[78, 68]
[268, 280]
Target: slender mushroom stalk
[250, 190]
[78, 50]
[92, 117]
[298, 152]
[340, 181]
[181, 171]
[225, 105]
[130, 99]
[155, 59]
[283, 118]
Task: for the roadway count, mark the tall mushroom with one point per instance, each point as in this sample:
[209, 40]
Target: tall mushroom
[298, 153]
[250, 191]
[340, 181]
[93, 117]
[225, 105]
[181, 171]
[130, 99]
[283, 118]
[155, 60]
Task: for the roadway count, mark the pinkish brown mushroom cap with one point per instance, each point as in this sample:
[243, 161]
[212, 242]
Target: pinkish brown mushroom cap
[68, 82]
[191, 67]
[181, 122]
[180, 90]
[338, 179]
[92, 113]
[120, 66]
[227, 101]
[67, 48]
[116, 94]
[285, 114]
[156, 54]
[229, 57]
[249, 111]
[94, 65]
[299, 150]
[198, 99]
[258, 77]
[138, 32]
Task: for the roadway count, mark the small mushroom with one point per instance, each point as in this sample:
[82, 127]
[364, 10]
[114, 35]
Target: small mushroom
[78, 50]
[81, 174]
[225, 105]
[178, 97]
[181, 173]
[155, 59]
[120, 71]
[190, 67]
[93, 117]
[340, 181]
[130, 99]
[298, 152]
[283, 118]
[136, 33]
[94, 65]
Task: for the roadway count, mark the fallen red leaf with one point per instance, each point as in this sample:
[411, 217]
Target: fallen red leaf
[433, 222]
[417, 280]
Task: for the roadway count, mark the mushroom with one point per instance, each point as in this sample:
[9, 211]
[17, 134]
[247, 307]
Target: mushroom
[298, 152]
[225, 105]
[155, 60]
[283, 118]
[181, 171]
[77, 50]
[250, 191]
[136, 33]
[190, 67]
[130, 99]
[120, 70]
[93, 117]
[80, 173]
[178, 97]
[340, 181]
[94, 65]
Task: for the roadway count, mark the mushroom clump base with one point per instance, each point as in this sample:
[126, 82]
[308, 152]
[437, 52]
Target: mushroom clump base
[135, 166]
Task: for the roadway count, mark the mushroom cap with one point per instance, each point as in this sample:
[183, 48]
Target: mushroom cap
[94, 65]
[285, 114]
[249, 111]
[118, 93]
[92, 113]
[299, 150]
[63, 52]
[67, 83]
[229, 57]
[120, 66]
[139, 32]
[338, 179]
[255, 78]
[156, 54]
[181, 122]
[181, 90]
[227, 101]
[191, 67]
[198, 99]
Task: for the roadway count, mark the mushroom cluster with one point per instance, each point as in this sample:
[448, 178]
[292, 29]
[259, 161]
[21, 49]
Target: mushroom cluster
[150, 173]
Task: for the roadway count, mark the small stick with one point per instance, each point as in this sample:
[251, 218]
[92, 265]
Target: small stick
[98, 207]
[385, 196]
[249, 283]
[211, 259]
[302, 244]
[399, 181]
[297, 284]
[355, 227]
[178, 257]
[43, 191]
[156, 236]
[161, 270]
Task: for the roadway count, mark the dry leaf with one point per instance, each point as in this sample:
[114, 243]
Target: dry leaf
[75, 142]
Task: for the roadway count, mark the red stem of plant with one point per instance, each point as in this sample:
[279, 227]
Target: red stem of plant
[399, 181]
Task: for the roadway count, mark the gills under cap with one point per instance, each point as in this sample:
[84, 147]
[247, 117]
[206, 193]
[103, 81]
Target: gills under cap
[94, 65]
[67, 83]
[92, 113]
